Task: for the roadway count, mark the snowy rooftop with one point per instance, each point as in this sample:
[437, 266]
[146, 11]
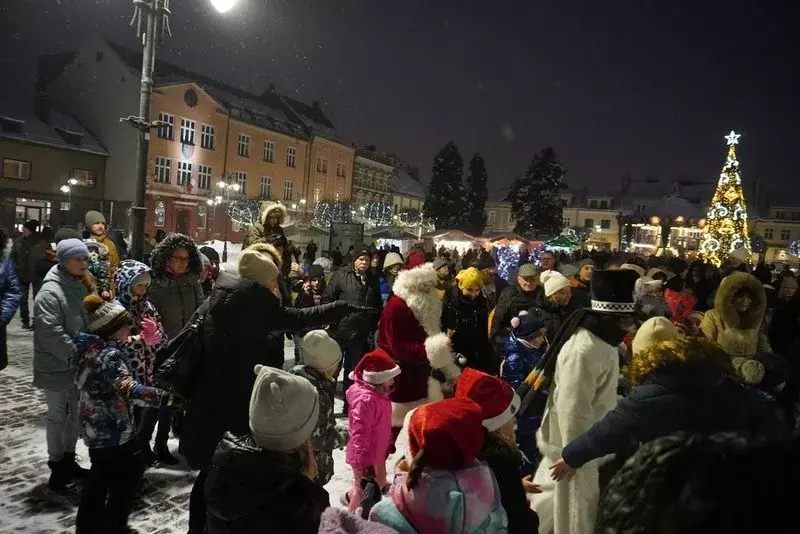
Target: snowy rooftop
[405, 184]
[63, 131]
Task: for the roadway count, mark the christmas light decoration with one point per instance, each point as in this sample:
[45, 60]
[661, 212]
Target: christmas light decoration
[794, 248]
[507, 260]
[244, 212]
[560, 243]
[726, 222]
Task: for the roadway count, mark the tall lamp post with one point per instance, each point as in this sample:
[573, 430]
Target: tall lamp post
[226, 187]
[151, 18]
[213, 203]
[67, 190]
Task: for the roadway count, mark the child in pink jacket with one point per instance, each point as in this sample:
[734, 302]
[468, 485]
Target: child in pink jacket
[370, 420]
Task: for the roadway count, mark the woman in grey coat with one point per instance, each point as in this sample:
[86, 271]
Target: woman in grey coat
[58, 315]
[176, 293]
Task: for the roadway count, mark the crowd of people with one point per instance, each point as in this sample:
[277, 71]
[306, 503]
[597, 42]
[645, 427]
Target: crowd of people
[532, 404]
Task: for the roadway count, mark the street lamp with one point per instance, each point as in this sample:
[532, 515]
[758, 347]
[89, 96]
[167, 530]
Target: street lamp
[67, 190]
[226, 186]
[151, 19]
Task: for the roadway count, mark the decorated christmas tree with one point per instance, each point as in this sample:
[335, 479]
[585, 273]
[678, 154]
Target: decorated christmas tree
[726, 221]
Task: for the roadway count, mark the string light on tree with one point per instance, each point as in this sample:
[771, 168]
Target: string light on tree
[726, 225]
[507, 260]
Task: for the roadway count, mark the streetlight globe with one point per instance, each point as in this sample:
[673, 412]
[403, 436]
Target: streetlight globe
[218, 199]
[302, 201]
[235, 187]
[65, 189]
[221, 184]
[73, 181]
[210, 202]
[223, 6]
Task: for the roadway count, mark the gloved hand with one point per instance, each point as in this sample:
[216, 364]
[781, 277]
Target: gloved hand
[150, 333]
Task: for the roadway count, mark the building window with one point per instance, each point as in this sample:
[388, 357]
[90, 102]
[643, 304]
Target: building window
[291, 157]
[269, 151]
[166, 129]
[204, 177]
[84, 177]
[243, 148]
[187, 132]
[786, 235]
[288, 189]
[16, 169]
[163, 170]
[161, 215]
[64, 206]
[640, 207]
[184, 173]
[207, 137]
[322, 165]
[588, 223]
[340, 171]
[768, 233]
[241, 179]
[266, 184]
[491, 218]
[605, 224]
[202, 216]
[592, 203]
[604, 204]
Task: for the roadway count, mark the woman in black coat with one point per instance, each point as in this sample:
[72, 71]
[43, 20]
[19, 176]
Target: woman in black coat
[243, 315]
[465, 318]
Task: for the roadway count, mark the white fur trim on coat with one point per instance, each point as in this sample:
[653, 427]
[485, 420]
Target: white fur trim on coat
[417, 288]
[401, 410]
[376, 377]
[438, 350]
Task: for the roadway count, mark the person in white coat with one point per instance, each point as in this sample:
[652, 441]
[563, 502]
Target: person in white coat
[580, 372]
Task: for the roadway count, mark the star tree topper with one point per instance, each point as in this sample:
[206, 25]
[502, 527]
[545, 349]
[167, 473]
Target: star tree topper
[733, 138]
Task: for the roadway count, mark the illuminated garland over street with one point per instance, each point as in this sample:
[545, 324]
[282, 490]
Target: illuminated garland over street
[726, 221]
[244, 212]
[794, 248]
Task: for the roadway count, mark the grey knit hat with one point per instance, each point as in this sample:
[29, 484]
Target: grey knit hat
[71, 248]
[284, 409]
[93, 217]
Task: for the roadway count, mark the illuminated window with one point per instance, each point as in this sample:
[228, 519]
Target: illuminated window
[161, 215]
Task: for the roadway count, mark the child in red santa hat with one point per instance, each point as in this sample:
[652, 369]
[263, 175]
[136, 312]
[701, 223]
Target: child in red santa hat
[370, 420]
[444, 488]
[499, 406]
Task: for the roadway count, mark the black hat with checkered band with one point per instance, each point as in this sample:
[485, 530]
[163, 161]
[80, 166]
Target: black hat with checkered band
[612, 291]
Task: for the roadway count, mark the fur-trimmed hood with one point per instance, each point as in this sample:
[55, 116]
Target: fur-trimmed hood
[268, 206]
[723, 302]
[163, 252]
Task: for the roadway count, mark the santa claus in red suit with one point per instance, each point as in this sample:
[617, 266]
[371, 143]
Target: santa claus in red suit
[410, 332]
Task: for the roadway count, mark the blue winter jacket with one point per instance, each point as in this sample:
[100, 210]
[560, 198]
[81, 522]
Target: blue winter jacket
[10, 289]
[518, 362]
[700, 398]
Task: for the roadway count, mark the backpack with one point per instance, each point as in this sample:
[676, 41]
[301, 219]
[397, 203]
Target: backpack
[178, 362]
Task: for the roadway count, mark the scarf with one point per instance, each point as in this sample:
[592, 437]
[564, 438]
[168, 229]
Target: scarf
[540, 378]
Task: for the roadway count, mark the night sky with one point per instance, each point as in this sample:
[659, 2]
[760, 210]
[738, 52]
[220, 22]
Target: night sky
[614, 87]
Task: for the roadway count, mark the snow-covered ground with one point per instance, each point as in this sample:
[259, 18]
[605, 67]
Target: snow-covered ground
[27, 505]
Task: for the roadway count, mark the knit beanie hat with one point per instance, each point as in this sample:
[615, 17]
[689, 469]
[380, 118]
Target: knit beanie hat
[586, 262]
[210, 253]
[776, 369]
[105, 318]
[526, 326]
[438, 263]
[375, 367]
[652, 331]
[361, 251]
[498, 402]
[315, 272]
[321, 352]
[284, 409]
[93, 217]
[750, 371]
[71, 248]
[553, 281]
[392, 258]
[32, 225]
[450, 432]
[469, 277]
[66, 233]
[256, 263]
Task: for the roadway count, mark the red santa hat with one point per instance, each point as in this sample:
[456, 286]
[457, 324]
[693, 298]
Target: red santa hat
[375, 367]
[497, 400]
[449, 431]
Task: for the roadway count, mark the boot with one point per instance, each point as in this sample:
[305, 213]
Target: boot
[164, 456]
[60, 476]
[73, 468]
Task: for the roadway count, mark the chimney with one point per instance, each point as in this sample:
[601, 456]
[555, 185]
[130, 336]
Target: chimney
[41, 106]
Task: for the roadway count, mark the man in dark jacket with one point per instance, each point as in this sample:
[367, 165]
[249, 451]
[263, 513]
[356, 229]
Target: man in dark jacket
[356, 285]
[514, 299]
[27, 250]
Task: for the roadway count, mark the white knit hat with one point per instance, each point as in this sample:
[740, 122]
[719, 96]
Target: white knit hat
[284, 409]
[652, 331]
[553, 281]
[256, 263]
[321, 352]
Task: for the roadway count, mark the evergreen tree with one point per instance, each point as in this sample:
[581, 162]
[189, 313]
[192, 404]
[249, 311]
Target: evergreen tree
[536, 203]
[726, 221]
[444, 202]
[477, 194]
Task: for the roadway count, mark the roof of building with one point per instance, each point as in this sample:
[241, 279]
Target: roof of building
[405, 184]
[374, 156]
[63, 131]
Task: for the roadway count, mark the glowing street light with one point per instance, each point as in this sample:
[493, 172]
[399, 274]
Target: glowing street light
[223, 6]
[65, 189]
[72, 181]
